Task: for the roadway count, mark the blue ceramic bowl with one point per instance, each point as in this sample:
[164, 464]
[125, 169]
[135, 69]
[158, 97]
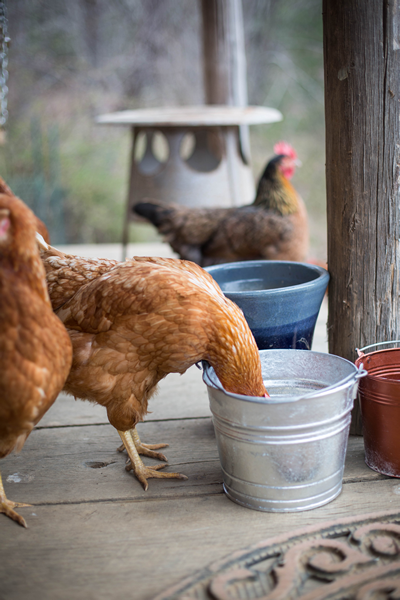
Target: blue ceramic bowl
[280, 299]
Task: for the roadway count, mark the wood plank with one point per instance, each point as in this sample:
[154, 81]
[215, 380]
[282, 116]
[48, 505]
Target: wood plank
[355, 467]
[179, 397]
[81, 464]
[113, 251]
[138, 549]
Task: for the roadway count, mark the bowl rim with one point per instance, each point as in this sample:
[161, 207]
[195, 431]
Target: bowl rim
[322, 277]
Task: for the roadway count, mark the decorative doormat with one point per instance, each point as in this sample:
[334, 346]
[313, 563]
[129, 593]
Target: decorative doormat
[352, 559]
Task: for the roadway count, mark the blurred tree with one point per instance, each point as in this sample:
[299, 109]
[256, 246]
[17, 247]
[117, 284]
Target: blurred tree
[70, 61]
[91, 11]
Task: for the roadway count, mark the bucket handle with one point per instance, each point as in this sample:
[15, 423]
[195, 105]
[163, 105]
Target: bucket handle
[360, 351]
[361, 373]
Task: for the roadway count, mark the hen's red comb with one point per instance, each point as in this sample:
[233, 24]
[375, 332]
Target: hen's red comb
[286, 149]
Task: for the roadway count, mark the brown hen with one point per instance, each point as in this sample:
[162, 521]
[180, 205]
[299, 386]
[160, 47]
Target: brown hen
[35, 349]
[274, 227]
[132, 323]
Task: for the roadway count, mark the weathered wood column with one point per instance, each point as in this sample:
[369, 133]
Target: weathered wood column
[224, 59]
[224, 74]
[362, 84]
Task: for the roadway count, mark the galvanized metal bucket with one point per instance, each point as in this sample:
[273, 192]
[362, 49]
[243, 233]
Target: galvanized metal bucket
[379, 396]
[287, 452]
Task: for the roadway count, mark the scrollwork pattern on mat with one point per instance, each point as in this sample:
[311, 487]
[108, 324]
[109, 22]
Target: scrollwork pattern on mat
[356, 559]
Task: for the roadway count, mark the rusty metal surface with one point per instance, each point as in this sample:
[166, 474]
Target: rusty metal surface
[355, 558]
[195, 116]
[379, 396]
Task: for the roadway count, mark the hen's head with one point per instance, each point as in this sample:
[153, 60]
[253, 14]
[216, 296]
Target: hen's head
[235, 356]
[286, 158]
[274, 190]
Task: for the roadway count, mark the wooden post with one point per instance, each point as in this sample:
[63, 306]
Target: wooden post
[215, 60]
[224, 69]
[224, 59]
[362, 84]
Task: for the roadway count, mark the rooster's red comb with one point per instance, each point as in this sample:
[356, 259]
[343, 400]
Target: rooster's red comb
[286, 149]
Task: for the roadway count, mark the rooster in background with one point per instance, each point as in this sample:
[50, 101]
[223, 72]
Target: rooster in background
[274, 227]
[35, 349]
[132, 323]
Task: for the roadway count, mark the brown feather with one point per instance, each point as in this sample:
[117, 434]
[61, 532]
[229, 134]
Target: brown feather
[35, 350]
[274, 227]
[145, 318]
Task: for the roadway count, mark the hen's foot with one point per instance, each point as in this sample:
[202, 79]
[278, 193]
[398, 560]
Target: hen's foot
[7, 506]
[145, 449]
[141, 471]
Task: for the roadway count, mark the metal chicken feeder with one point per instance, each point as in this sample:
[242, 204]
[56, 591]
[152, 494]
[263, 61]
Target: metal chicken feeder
[216, 171]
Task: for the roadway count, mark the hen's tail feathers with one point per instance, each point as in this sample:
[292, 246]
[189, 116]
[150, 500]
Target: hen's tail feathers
[153, 212]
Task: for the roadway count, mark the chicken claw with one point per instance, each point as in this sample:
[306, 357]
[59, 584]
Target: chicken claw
[145, 449]
[7, 506]
[141, 471]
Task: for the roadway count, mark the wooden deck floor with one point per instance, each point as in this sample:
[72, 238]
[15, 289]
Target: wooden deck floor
[95, 534]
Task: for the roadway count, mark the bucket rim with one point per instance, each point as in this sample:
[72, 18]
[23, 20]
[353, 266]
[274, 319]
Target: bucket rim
[377, 378]
[358, 373]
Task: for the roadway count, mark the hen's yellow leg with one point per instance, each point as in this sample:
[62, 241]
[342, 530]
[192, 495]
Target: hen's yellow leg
[7, 506]
[145, 449]
[142, 472]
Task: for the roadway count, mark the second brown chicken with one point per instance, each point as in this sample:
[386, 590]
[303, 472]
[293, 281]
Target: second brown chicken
[132, 323]
[273, 227]
[35, 349]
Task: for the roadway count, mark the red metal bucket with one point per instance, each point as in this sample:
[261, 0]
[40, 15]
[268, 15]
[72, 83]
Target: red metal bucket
[379, 395]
